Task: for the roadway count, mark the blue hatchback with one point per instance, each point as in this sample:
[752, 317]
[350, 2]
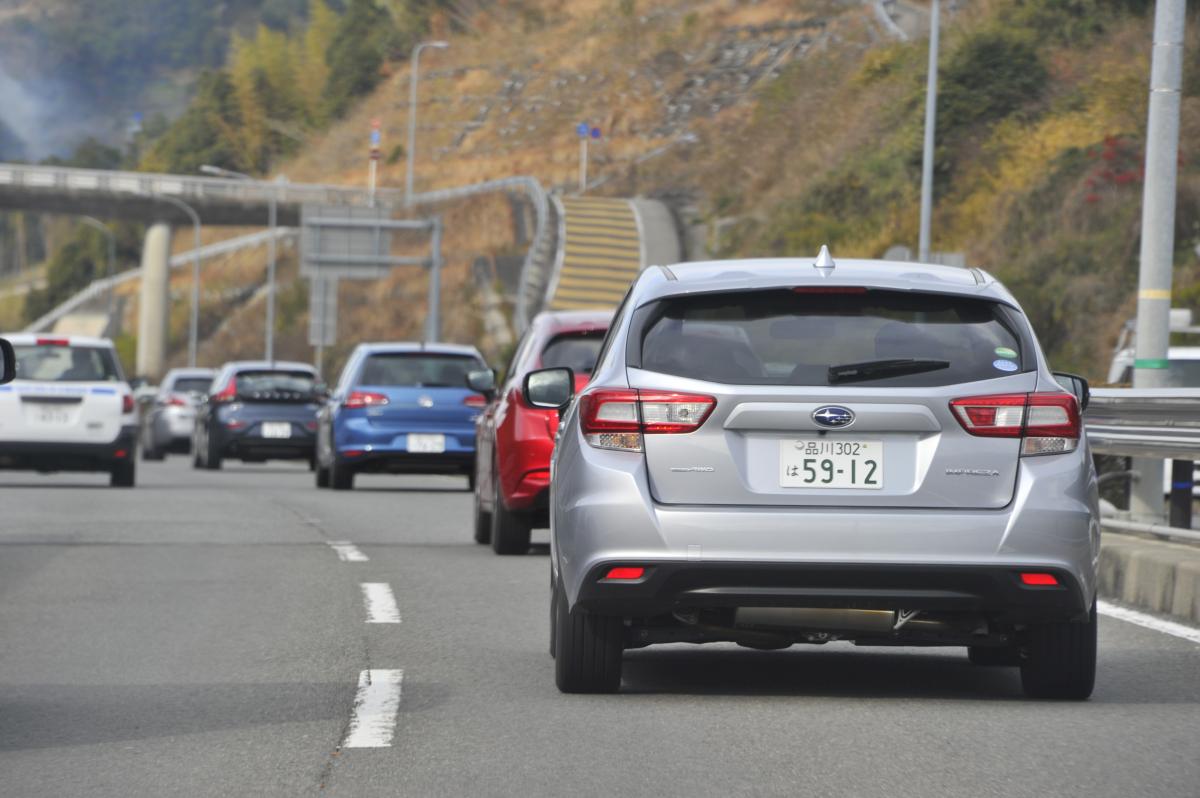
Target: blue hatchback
[401, 408]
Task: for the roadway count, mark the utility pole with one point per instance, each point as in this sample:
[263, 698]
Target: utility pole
[1158, 235]
[413, 76]
[272, 216]
[931, 88]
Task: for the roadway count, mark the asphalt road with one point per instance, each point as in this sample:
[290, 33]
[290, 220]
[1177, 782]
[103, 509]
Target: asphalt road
[198, 636]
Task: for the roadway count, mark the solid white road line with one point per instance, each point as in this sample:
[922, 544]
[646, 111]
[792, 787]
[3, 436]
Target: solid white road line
[375, 708]
[1189, 633]
[347, 551]
[381, 603]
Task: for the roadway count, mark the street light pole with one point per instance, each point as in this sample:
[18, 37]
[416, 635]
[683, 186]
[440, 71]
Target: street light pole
[413, 76]
[194, 321]
[1158, 233]
[91, 221]
[923, 245]
[272, 216]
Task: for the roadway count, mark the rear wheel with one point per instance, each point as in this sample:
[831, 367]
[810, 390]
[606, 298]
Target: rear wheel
[1061, 661]
[587, 649]
[122, 475]
[510, 531]
[483, 520]
[212, 457]
[341, 475]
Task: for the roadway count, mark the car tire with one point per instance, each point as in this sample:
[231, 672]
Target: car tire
[1060, 660]
[509, 531]
[588, 649]
[322, 476]
[212, 457]
[483, 521]
[341, 476]
[994, 657]
[123, 474]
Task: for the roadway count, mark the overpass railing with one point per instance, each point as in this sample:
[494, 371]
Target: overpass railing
[1145, 422]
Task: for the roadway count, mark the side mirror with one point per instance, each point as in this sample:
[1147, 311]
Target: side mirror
[549, 389]
[482, 381]
[8, 361]
[1076, 385]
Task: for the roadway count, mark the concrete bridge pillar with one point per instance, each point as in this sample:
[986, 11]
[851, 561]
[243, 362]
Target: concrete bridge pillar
[155, 302]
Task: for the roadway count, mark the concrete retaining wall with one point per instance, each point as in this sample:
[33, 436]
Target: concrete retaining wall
[1155, 575]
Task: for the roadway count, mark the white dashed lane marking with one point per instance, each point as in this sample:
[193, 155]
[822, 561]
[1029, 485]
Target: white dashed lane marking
[381, 603]
[1189, 633]
[375, 709]
[347, 551]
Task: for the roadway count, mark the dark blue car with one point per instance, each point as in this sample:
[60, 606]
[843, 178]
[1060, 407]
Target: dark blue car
[401, 408]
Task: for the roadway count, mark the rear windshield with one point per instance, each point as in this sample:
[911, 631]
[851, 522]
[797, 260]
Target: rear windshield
[66, 363]
[783, 337]
[418, 370]
[191, 384]
[275, 385]
[575, 351]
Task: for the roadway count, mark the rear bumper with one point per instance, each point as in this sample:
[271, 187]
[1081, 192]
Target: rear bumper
[669, 586]
[403, 462]
[38, 456]
[246, 447]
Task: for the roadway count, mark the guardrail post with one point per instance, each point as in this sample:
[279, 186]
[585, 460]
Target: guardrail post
[1182, 483]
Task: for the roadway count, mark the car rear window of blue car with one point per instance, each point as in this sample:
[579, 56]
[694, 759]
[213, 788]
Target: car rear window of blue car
[872, 338]
[417, 370]
[276, 386]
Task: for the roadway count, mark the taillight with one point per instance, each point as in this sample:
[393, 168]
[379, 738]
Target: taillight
[475, 400]
[175, 400]
[358, 399]
[1049, 423]
[616, 418]
[127, 403]
[228, 393]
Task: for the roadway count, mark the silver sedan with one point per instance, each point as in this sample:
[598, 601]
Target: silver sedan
[167, 424]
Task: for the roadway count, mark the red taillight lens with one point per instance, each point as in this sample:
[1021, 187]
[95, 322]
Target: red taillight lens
[1048, 422]
[616, 418]
[127, 403]
[364, 399]
[228, 393]
[992, 416]
[625, 572]
[311, 426]
[475, 400]
[1039, 579]
[53, 342]
[175, 400]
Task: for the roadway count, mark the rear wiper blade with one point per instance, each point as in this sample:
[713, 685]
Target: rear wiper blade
[876, 369]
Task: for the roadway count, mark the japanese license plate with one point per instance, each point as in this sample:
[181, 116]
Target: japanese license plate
[276, 429]
[830, 463]
[54, 416]
[427, 444]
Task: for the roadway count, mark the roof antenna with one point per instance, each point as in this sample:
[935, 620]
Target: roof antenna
[824, 260]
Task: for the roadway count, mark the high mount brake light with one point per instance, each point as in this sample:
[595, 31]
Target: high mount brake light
[358, 399]
[829, 289]
[53, 342]
[1048, 423]
[616, 418]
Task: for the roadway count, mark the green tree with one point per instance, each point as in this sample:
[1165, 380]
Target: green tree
[356, 53]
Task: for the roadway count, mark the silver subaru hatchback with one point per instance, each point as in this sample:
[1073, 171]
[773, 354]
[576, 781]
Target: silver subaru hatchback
[774, 452]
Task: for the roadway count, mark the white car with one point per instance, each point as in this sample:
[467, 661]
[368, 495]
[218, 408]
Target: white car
[69, 409]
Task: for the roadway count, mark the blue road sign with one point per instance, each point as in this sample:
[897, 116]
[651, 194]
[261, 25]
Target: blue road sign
[374, 138]
[582, 129]
[595, 132]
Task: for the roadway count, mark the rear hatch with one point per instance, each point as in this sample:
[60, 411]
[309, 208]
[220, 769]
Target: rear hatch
[63, 394]
[271, 403]
[832, 399]
[423, 390]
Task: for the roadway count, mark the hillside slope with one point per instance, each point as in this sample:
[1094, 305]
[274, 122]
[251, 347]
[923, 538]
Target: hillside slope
[779, 125]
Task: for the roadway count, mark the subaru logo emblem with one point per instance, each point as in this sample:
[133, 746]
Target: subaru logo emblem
[833, 416]
[425, 401]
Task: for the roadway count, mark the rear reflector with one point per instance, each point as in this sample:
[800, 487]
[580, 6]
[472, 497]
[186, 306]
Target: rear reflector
[121, 454]
[352, 453]
[625, 573]
[1039, 579]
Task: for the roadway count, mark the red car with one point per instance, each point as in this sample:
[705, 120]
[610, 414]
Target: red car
[513, 441]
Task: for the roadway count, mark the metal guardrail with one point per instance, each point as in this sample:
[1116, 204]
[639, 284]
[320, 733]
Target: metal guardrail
[1145, 422]
[98, 288]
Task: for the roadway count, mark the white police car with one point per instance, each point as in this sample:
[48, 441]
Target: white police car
[69, 409]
